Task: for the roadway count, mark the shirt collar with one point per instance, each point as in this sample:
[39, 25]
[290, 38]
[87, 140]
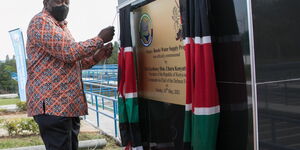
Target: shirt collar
[62, 24]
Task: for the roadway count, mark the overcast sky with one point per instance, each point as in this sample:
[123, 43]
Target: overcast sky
[86, 18]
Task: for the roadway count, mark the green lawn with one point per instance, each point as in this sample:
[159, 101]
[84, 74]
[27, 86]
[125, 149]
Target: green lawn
[36, 140]
[20, 142]
[9, 101]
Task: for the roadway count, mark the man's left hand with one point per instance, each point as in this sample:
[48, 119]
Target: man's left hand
[105, 52]
[108, 48]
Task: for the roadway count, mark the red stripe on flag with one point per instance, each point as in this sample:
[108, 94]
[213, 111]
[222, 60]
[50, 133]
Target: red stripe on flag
[199, 77]
[130, 75]
[211, 93]
[206, 93]
[188, 72]
[192, 61]
[121, 71]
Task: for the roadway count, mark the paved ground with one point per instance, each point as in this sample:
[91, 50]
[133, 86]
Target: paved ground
[12, 107]
[106, 124]
[86, 127]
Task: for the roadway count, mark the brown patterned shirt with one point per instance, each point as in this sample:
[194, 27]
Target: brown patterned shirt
[55, 62]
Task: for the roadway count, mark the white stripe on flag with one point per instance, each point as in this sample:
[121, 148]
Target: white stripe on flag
[206, 110]
[128, 49]
[203, 40]
[188, 107]
[186, 41]
[131, 95]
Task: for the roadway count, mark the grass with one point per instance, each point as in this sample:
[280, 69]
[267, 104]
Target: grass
[13, 142]
[20, 142]
[9, 101]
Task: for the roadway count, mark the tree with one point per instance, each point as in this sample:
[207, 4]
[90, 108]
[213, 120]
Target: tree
[7, 84]
[7, 58]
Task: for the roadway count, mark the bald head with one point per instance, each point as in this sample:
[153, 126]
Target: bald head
[52, 3]
[57, 8]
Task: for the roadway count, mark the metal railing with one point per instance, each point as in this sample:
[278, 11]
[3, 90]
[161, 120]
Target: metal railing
[100, 86]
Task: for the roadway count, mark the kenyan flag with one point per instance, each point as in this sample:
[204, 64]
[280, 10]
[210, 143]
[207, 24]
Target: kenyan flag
[202, 101]
[128, 99]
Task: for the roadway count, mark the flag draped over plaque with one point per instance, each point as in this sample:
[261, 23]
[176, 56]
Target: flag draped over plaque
[127, 87]
[202, 101]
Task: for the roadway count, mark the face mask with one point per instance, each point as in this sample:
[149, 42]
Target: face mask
[60, 13]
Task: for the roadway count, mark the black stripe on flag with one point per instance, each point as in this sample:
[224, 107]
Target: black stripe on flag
[185, 17]
[125, 29]
[193, 22]
[191, 17]
[201, 18]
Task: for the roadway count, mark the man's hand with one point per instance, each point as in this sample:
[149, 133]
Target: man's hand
[107, 34]
[108, 48]
[104, 52]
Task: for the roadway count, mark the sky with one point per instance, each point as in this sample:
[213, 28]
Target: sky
[85, 20]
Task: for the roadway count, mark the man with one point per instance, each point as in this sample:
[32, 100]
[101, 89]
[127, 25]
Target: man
[54, 86]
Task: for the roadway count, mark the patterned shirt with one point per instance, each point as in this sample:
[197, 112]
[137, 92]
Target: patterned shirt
[55, 62]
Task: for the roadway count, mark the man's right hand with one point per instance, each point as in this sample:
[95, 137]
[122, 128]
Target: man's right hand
[107, 34]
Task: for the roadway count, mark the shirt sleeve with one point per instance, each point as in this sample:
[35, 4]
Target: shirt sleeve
[51, 38]
[89, 62]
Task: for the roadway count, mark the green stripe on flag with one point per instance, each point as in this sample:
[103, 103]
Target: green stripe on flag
[128, 110]
[122, 111]
[187, 126]
[204, 131]
[132, 108]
